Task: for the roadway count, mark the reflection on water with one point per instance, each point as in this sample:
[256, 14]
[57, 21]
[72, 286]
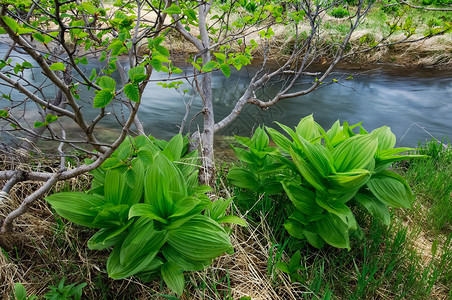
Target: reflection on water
[416, 105]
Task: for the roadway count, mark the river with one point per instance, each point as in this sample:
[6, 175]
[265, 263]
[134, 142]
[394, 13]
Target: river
[417, 105]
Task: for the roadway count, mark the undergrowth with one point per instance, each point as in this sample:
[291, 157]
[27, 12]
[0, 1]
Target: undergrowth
[411, 259]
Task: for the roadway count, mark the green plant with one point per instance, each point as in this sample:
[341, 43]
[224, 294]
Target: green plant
[21, 294]
[152, 211]
[340, 12]
[258, 176]
[292, 267]
[331, 171]
[62, 292]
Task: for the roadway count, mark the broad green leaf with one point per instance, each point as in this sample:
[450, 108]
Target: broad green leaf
[111, 216]
[135, 73]
[294, 228]
[339, 209]
[108, 237]
[11, 23]
[76, 207]
[57, 67]
[147, 211]
[173, 150]
[199, 239]
[132, 92]
[218, 208]
[318, 156]
[162, 50]
[295, 262]
[313, 238]
[391, 189]
[26, 64]
[279, 139]
[173, 276]
[220, 56]
[141, 240]
[184, 206]
[333, 231]
[106, 82]
[374, 206]
[355, 153]
[164, 185]
[209, 66]
[307, 128]
[38, 124]
[116, 270]
[302, 198]
[386, 139]
[103, 98]
[307, 171]
[260, 139]
[186, 264]
[348, 181]
[173, 9]
[114, 186]
[89, 8]
[385, 160]
[233, 220]
[243, 155]
[243, 178]
[19, 292]
[225, 69]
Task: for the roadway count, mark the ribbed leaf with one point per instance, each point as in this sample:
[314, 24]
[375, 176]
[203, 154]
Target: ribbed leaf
[243, 178]
[348, 181]
[355, 153]
[107, 237]
[302, 198]
[333, 231]
[76, 207]
[106, 82]
[173, 276]
[164, 186]
[186, 264]
[307, 128]
[307, 171]
[114, 186]
[173, 150]
[391, 189]
[142, 239]
[260, 139]
[279, 139]
[147, 211]
[318, 156]
[199, 239]
[386, 139]
[116, 270]
[374, 206]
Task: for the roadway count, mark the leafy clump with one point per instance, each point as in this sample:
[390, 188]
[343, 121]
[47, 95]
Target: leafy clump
[149, 207]
[340, 12]
[325, 174]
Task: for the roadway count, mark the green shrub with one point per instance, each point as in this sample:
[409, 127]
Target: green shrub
[149, 207]
[340, 12]
[324, 174]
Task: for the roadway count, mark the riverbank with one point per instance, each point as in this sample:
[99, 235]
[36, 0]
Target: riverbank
[372, 44]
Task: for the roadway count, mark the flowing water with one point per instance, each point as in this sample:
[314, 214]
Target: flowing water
[417, 105]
